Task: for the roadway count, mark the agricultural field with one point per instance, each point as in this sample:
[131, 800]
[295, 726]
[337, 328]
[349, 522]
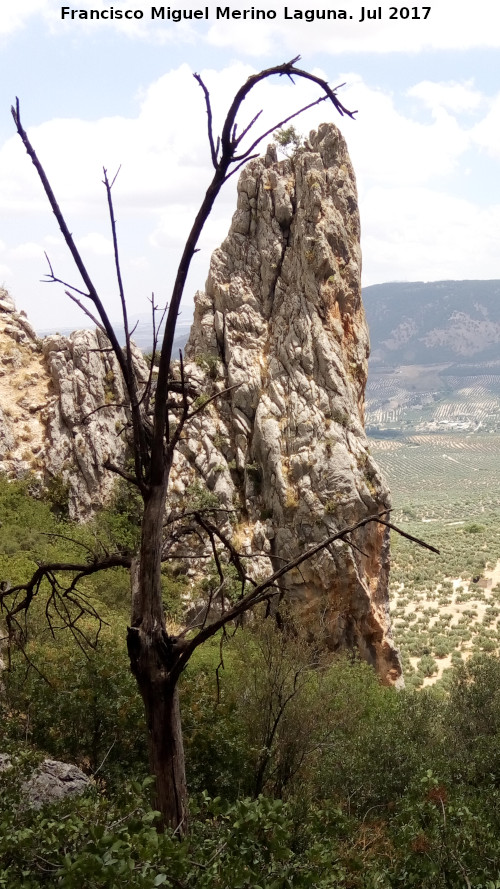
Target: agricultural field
[445, 490]
[433, 399]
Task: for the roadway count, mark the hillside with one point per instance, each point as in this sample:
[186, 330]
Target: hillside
[432, 408]
[435, 357]
[434, 322]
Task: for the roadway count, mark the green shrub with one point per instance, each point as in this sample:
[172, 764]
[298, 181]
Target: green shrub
[83, 708]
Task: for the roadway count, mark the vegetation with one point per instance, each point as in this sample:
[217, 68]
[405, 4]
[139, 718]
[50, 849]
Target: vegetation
[302, 772]
[288, 140]
[444, 609]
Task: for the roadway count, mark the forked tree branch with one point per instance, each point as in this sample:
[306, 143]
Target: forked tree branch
[153, 454]
[260, 591]
[70, 242]
[63, 597]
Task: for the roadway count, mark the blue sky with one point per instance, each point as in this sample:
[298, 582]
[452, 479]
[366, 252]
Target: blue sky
[425, 145]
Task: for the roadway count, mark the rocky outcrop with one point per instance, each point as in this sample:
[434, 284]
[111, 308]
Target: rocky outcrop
[51, 782]
[281, 324]
[86, 420]
[24, 392]
[62, 409]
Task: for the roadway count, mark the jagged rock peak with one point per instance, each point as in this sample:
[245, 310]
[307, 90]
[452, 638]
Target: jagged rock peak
[282, 321]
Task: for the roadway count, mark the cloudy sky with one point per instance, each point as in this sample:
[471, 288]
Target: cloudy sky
[425, 143]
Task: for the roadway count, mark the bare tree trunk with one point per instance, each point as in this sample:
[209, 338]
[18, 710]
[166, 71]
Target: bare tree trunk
[153, 658]
[149, 658]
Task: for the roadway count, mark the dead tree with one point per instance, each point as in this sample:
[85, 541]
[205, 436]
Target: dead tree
[158, 418]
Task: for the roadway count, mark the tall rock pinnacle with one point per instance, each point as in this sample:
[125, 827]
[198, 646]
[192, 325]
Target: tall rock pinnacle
[282, 321]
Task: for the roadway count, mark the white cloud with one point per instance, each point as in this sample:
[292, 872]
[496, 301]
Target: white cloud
[453, 96]
[451, 24]
[15, 15]
[388, 145]
[417, 234]
[412, 227]
[95, 243]
[28, 250]
[486, 133]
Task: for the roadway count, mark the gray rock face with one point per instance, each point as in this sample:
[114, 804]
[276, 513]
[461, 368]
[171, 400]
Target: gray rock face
[54, 781]
[5, 762]
[62, 408]
[282, 321]
[86, 419]
[51, 782]
[281, 324]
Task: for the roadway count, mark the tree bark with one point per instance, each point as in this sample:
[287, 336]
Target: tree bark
[152, 660]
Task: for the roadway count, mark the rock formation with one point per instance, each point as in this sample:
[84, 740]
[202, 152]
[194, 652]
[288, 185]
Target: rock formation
[281, 321]
[51, 782]
[61, 408]
[281, 325]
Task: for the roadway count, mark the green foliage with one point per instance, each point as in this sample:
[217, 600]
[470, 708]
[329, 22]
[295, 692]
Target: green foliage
[119, 523]
[58, 489]
[427, 665]
[288, 140]
[198, 497]
[385, 790]
[473, 719]
[81, 707]
[356, 786]
[473, 528]
[25, 518]
[210, 364]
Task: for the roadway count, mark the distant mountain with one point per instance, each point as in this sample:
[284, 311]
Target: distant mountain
[142, 328]
[433, 323]
[435, 359]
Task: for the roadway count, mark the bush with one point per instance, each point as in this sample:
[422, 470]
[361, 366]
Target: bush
[473, 720]
[82, 708]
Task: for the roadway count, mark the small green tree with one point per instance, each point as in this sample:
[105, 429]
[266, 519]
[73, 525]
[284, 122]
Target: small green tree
[288, 140]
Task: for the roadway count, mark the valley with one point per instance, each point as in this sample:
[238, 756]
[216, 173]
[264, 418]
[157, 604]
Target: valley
[441, 460]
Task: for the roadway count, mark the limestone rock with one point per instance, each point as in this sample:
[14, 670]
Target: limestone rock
[51, 782]
[282, 321]
[86, 418]
[281, 325]
[5, 762]
[63, 408]
[54, 781]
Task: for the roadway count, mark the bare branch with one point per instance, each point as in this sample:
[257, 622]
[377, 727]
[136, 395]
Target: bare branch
[224, 161]
[260, 591]
[68, 237]
[246, 130]
[128, 476]
[85, 311]
[205, 404]
[278, 126]
[410, 537]
[213, 149]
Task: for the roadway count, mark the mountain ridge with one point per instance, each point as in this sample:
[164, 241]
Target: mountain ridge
[434, 322]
